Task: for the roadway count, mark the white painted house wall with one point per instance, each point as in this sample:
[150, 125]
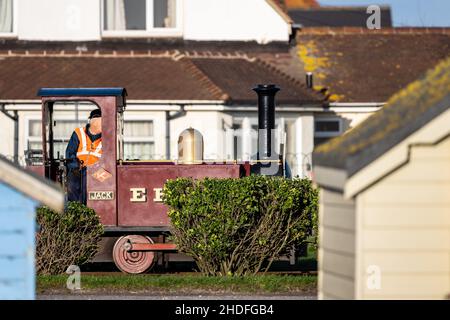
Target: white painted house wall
[238, 20]
[56, 20]
[215, 20]
[215, 122]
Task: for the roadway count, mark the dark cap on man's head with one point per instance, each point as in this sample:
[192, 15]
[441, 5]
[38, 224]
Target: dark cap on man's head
[96, 113]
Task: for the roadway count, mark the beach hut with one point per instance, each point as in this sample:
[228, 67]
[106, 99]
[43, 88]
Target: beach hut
[384, 217]
[20, 193]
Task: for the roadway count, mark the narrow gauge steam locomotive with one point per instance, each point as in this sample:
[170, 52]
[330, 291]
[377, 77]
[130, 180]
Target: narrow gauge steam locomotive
[127, 194]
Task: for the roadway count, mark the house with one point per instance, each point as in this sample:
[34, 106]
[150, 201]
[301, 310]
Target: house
[384, 222]
[190, 20]
[20, 193]
[192, 63]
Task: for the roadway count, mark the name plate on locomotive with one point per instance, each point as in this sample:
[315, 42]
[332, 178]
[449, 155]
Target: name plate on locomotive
[101, 195]
[140, 194]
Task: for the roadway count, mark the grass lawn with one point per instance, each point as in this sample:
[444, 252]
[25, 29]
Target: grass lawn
[182, 283]
[295, 282]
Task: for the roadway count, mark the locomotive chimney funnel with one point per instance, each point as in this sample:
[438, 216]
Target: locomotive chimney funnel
[266, 120]
[309, 80]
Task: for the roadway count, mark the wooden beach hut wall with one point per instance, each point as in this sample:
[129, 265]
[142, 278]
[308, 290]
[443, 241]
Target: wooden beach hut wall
[20, 193]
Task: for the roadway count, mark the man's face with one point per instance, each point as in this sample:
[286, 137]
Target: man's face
[96, 125]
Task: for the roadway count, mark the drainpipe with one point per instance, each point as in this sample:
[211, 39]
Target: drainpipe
[169, 117]
[15, 118]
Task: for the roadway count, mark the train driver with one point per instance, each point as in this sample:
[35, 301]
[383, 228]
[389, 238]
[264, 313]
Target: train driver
[84, 149]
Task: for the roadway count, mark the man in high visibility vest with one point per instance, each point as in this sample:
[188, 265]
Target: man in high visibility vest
[84, 149]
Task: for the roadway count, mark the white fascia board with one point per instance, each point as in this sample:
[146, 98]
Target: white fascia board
[253, 108]
[20, 101]
[355, 107]
[329, 177]
[397, 156]
[176, 102]
[356, 104]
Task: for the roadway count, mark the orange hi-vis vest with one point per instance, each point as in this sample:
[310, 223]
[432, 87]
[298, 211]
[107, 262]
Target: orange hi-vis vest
[88, 152]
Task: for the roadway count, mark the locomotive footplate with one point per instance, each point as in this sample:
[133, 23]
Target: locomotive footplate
[145, 230]
[166, 247]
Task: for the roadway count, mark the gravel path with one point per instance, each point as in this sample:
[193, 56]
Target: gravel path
[171, 297]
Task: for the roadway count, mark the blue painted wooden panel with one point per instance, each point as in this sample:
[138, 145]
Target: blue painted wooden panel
[17, 244]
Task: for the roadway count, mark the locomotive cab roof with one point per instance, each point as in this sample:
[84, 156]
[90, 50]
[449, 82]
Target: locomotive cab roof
[62, 92]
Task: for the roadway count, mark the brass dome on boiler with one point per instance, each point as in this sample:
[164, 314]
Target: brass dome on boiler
[190, 147]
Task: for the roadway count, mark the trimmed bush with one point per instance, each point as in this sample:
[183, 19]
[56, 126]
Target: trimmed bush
[68, 238]
[239, 226]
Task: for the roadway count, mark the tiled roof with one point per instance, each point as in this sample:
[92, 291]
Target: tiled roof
[361, 65]
[149, 76]
[239, 76]
[406, 112]
[301, 3]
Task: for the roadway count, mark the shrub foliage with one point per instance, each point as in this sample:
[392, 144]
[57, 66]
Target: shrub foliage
[68, 238]
[239, 226]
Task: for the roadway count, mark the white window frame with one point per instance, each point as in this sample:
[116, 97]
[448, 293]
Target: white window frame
[136, 118]
[328, 134]
[13, 33]
[150, 32]
[27, 138]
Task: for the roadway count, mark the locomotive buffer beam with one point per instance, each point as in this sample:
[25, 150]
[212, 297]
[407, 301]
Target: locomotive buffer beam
[166, 247]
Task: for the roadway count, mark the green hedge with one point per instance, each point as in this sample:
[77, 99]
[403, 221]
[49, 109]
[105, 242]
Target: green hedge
[68, 238]
[239, 226]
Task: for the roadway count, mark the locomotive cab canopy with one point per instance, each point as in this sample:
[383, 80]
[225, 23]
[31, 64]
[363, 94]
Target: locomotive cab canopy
[111, 102]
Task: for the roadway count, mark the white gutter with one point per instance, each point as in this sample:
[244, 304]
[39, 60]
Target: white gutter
[165, 102]
[34, 101]
[177, 102]
[250, 108]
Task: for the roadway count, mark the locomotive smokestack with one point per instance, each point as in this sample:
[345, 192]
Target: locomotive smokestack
[266, 119]
[309, 80]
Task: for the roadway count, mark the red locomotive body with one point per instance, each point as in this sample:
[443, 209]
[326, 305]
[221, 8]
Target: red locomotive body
[134, 207]
[127, 194]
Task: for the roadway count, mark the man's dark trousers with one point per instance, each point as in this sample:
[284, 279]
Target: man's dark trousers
[76, 185]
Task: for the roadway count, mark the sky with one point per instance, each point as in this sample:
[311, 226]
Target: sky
[421, 13]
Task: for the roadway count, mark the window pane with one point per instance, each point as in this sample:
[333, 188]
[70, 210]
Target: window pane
[164, 13]
[6, 16]
[59, 149]
[64, 128]
[138, 150]
[35, 128]
[37, 145]
[326, 126]
[138, 129]
[124, 14]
